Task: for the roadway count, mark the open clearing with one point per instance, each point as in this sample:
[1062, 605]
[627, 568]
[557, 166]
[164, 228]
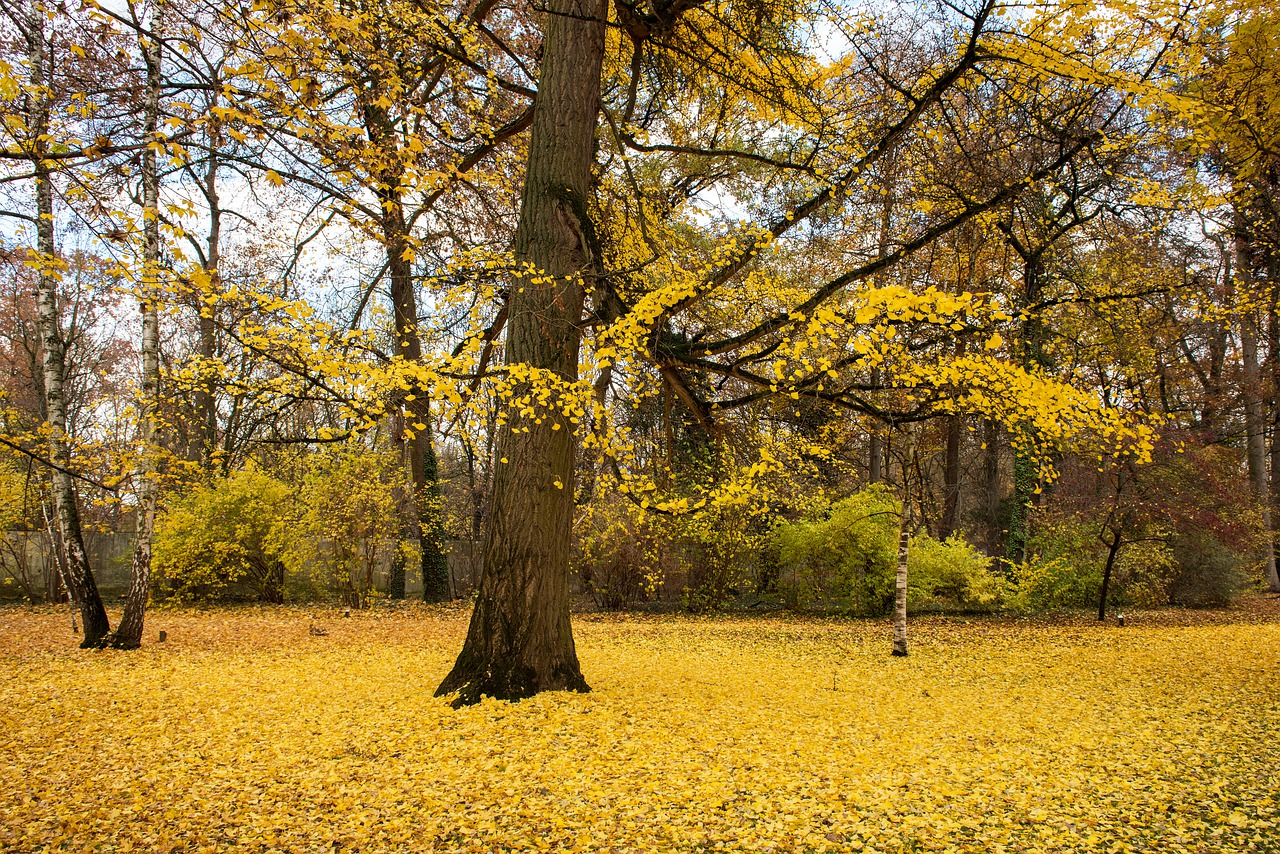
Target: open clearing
[246, 732]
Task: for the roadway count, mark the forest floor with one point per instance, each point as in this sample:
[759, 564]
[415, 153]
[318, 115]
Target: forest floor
[247, 732]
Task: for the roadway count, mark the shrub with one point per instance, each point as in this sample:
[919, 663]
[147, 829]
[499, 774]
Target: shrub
[951, 574]
[224, 539]
[350, 520]
[1207, 572]
[844, 560]
[847, 561]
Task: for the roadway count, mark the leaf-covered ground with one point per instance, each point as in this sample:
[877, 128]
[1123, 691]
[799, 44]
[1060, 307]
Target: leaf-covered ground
[244, 732]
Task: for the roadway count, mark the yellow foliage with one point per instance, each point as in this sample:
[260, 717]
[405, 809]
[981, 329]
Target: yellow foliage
[246, 732]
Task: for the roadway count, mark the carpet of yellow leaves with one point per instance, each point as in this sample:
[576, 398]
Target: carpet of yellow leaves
[246, 732]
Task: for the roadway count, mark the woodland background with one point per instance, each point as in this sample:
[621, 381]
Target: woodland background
[266, 251]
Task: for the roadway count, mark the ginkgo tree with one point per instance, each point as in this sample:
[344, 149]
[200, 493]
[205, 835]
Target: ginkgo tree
[665, 292]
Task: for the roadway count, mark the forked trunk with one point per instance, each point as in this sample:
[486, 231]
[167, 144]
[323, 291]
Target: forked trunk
[1113, 548]
[79, 577]
[520, 641]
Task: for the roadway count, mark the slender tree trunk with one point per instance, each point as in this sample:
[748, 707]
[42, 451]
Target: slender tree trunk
[79, 579]
[520, 641]
[991, 485]
[1025, 474]
[951, 479]
[1269, 378]
[424, 514]
[875, 469]
[904, 544]
[1253, 410]
[1113, 548]
[128, 634]
[876, 449]
[437, 581]
[206, 343]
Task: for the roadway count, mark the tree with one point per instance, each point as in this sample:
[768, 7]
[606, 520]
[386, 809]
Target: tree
[35, 142]
[519, 642]
[128, 633]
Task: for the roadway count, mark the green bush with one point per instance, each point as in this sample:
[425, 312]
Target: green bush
[1062, 569]
[951, 575]
[847, 561]
[225, 539]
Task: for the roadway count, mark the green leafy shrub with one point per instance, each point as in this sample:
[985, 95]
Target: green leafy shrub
[224, 539]
[847, 561]
[842, 561]
[1062, 569]
[951, 575]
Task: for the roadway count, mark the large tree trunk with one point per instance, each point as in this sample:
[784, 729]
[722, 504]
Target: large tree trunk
[520, 641]
[79, 577]
[128, 634]
[1255, 446]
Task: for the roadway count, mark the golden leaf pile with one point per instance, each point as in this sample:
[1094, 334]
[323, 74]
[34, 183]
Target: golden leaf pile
[245, 732]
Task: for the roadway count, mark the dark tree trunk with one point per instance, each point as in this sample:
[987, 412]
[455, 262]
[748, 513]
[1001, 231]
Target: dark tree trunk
[423, 519]
[422, 515]
[206, 343]
[1113, 549]
[128, 634]
[991, 486]
[1025, 474]
[437, 585]
[1255, 428]
[520, 641]
[951, 479]
[79, 577]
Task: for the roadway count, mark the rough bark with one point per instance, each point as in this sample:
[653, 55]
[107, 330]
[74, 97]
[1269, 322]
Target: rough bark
[79, 577]
[128, 634]
[520, 641]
